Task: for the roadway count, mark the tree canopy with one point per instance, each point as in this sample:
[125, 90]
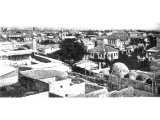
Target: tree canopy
[72, 50]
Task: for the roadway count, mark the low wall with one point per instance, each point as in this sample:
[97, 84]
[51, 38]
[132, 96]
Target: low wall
[120, 83]
[127, 92]
[94, 94]
[90, 78]
[33, 84]
[40, 58]
[115, 83]
[139, 93]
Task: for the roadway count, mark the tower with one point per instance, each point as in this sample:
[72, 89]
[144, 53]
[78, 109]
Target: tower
[34, 45]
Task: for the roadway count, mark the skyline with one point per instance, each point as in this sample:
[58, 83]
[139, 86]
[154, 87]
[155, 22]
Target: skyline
[102, 14]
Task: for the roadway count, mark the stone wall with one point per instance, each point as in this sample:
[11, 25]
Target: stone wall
[115, 83]
[95, 94]
[33, 84]
[139, 93]
[127, 92]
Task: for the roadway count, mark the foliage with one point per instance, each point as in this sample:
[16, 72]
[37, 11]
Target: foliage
[71, 50]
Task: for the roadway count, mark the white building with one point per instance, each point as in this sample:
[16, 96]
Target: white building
[15, 58]
[103, 52]
[66, 88]
[8, 75]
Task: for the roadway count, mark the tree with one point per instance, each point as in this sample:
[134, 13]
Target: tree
[72, 50]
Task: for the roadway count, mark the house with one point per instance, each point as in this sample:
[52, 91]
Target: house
[28, 37]
[48, 49]
[154, 52]
[136, 34]
[130, 49]
[118, 40]
[89, 44]
[103, 52]
[86, 64]
[137, 37]
[8, 75]
[15, 36]
[101, 41]
[15, 57]
[5, 45]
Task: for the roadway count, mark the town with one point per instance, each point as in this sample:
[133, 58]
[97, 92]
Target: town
[71, 63]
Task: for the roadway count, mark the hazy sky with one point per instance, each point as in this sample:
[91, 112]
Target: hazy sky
[102, 14]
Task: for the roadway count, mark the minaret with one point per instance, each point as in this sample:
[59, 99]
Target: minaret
[34, 42]
[34, 45]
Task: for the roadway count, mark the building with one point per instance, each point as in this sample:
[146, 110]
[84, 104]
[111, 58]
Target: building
[28, 37]
[86, 64]
[8, 75]
[48, 49]
[130, 49]
[118, 40]
[39, 80]
[51, 66]
[154, 52]
[136, 34]
[15, 36]
[103, 52]
[5, 45]
[15, 58]
[89, 44]
[67, 88]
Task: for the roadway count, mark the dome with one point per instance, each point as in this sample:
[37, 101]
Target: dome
[120, 69]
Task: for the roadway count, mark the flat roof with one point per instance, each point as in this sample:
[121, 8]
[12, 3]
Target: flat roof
[43, 74]
[4, 69]
[17, 52]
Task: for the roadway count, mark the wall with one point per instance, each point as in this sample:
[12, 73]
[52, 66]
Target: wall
[114, 56]
[8, 81]
[94, 78]
[120, 83]
[115, 83]
[41, 58]
[127, 92]
[33, 84]
[65, 88]
[139, 93]
[97, 93]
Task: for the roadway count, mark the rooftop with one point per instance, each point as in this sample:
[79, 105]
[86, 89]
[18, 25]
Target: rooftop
[17, 52]
[48, 46]
[6, 69]
[122, 36]
[43, 74]
[154, 49]
[103, 49]
[84, 61]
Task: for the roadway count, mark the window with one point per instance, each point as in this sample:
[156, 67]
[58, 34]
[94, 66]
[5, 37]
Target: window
[114, 54]
[102, 55]
[108, 55]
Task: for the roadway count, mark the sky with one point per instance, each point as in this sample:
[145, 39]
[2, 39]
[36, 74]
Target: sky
[88, 14]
